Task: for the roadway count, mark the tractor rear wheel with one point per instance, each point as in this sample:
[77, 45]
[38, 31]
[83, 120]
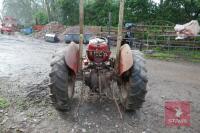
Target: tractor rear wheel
[62, 82]
[133, 84]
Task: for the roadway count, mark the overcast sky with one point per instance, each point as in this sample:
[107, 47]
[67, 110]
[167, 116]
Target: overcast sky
[0, 7]
[1, 3]
[157, 1]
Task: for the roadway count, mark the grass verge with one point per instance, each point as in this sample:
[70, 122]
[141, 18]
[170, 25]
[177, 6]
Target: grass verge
[173, 55]
[3, 103]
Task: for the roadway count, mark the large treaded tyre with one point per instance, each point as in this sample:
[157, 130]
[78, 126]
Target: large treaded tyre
[134, 84]
[61, 83]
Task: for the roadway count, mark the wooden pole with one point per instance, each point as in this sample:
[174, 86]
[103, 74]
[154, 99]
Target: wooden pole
[81, 23]
[119, 36]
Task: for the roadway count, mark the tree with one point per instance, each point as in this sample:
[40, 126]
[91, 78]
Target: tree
[20, 9]
[140, 10]
[41, 18]
[48, 10]
[179, 11]
[96, 13]
[192, 9]
[69, 11]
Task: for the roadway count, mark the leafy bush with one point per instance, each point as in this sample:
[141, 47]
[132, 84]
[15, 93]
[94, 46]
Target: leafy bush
[41, 18]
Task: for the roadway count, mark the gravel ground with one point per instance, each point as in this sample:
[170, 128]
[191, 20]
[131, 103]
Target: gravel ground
[24, 68]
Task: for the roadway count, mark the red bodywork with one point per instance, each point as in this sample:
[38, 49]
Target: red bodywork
[93, 51]
[125, 59]
[9, 25]
[72, 57]
[38, 27]
[6, 29]
[98, 52]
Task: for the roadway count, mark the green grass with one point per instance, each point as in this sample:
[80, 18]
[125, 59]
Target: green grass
[175, 54]
[3, 103]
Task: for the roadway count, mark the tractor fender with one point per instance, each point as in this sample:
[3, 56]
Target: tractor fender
[126, 59]
[71, 55]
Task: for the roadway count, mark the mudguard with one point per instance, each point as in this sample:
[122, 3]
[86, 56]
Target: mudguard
[126, 59]
[72, 56]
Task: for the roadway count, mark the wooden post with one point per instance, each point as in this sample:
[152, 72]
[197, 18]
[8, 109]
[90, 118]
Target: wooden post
[81, 22]
[119, 36]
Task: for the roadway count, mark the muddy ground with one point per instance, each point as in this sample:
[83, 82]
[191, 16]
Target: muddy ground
[24, 68]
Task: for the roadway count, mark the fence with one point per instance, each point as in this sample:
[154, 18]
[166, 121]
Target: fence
[160, 41]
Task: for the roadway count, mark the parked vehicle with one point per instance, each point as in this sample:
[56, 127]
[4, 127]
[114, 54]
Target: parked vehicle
[72, 37]
[27, 31]
[8, 25]
[51, 38]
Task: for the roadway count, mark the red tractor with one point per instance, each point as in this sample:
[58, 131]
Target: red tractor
[99, 71]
